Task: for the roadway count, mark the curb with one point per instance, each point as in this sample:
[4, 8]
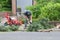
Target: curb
[45, 30]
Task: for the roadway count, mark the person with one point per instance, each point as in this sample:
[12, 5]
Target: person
[28, 17]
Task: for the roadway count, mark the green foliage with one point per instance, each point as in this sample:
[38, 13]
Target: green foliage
[0, 19]
[9, 28]
[5, 5]
[46, 9]
[51, 11]
[14, 28]
[33, 27]
[41, 24]
[44, 22]
[43, 2]
[35, 10]
[2, 28]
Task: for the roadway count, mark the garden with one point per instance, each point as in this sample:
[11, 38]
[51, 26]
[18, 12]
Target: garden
[42, 12]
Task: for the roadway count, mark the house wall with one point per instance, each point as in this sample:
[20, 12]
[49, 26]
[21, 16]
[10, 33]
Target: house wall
[23, 4]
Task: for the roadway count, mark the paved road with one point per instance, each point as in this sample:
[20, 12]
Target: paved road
[29, 35]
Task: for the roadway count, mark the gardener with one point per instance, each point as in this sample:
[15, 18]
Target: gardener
[28, 17]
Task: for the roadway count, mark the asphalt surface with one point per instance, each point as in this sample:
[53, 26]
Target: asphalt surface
[29, 35]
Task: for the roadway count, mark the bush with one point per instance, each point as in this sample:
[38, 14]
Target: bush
[46, 9]
[5, 5]
[3, 28]
[44, 22]
[33, 27]
[35, 10]
[9, 28]
[51, 11]
[38, 25]
[14, 28]
[0, 19]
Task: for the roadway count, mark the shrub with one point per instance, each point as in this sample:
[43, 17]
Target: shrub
[9, 28]
[33, 27]
[51, 11]
[44, 22]
[4, 28]
[14, 28]
[41, 24]
[46, 9]
[35, 10]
